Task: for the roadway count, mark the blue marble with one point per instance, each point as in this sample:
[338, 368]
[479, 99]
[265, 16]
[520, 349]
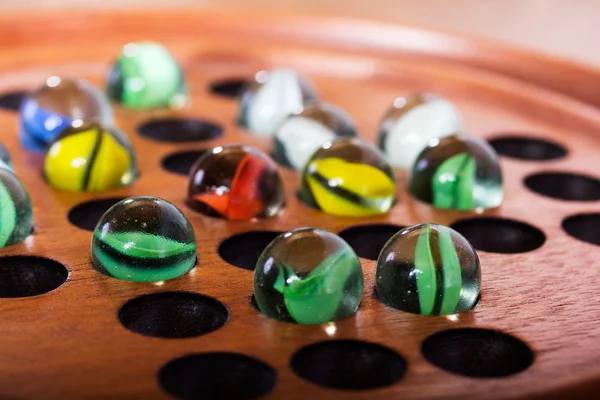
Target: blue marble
[59, 104]
[38, 126]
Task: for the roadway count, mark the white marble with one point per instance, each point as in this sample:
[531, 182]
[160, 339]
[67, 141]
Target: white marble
[301, 137]
[412, 131]
[276, 99]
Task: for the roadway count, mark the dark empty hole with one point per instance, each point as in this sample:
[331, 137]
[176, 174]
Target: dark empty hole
[228, 87]
[86, 215]
[12, 100]
[368, 240]
[181, 162]
[564, 186]
[500, 235]
[585, 227]
[24, 276]
[178, 130]
[349, 364]
[478, 353]
[217, 376]
[528, 148]
[244, 249]
[173, 314]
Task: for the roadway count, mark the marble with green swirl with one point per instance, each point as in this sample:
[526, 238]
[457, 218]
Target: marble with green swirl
[16, 215]
[428, 269]
[458, 172]
[143, 239]
[145, 76]
[308, 276]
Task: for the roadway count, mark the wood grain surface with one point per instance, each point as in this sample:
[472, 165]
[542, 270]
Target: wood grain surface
[69, 344]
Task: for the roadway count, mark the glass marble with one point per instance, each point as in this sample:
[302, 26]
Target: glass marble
[428, 269]
[458, 172]
[236, 182]
[308, 276]
[143, 239]
[60, 103]
[299, 136]
[145, 76]
[16, 221]
[5, 159]
[412, 122]
[90, 158]
[348, 177]
[273, 96]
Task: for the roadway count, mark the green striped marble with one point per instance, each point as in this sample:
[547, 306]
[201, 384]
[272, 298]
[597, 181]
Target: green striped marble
[143, 239]
[457, 192]
[153, 258]
[458, 172]
[291, 284]
[428, 269]
[16, 222]
[146, 76]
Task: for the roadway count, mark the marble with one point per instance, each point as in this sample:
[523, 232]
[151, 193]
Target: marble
[236, 182]
[458, 172]
[90, 158]
[348, 177]
[299, 136]
[428, 269]
[60, 103]
[145, 76]
[271, 97]
[16, 213]
[308, 276]
[143, 239]
[412, 122]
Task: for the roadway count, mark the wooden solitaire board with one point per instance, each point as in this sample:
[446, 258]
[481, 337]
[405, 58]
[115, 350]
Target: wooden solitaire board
[534, 334]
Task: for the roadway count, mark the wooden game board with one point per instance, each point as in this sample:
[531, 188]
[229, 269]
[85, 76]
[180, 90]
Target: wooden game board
[534, 333]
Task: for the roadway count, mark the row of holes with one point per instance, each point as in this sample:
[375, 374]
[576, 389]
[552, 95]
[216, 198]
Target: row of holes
[346, 364]
[186, 314]
[556, 185]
